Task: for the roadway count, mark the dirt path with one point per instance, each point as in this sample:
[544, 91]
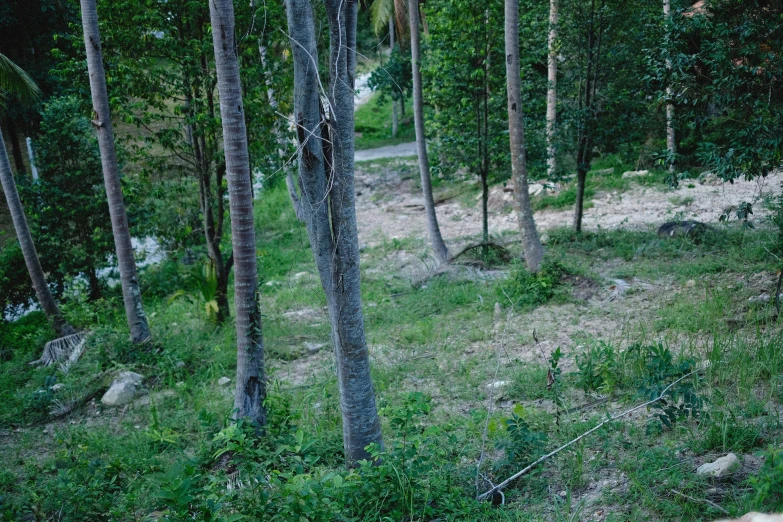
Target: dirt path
[390, 207]
[402, 150]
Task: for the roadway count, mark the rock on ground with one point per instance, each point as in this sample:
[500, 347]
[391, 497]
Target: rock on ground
[725, 465]
[123, 389]
[224, 381]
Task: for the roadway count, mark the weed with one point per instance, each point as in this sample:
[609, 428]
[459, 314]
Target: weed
[526, 290]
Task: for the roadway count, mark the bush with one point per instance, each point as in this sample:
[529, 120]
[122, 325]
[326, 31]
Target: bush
[526, 289]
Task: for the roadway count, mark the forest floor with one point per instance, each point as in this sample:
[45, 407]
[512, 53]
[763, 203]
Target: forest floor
[460, 359]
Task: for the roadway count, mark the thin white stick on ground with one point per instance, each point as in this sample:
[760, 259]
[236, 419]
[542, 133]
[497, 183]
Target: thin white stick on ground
[518, 474]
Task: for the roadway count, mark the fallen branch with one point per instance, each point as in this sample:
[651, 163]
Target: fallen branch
[518, 474]
[703, 500]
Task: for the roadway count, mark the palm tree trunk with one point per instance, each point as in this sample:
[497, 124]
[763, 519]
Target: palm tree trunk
[670, 142]
[134, 311]
[16, 151]
[251, 384]
[551, 94]
[31, 259]
[334, 241]
[531, 244]
[438, 246]
[394, 102]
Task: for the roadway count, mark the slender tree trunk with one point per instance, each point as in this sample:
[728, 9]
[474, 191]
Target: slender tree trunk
[95, 284]
[31, 156]
[251, 384]
[394, 102]
[326, 175]
[16, 151]
[670, 143]
[42, 292]
[551, 94]
[438, 245]
[134, 311]
[531, 244]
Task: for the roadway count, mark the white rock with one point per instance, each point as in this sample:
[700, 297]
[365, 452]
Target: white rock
[535, 189]
[496, 384]
[224, 381]
[119, 394]
[179, 384]
[635, 173]
[544, 239]
[57, 387]
[179, 364]
[313, 347]
[759, 299]
[723, 466]
[300, 276]
[123, 389]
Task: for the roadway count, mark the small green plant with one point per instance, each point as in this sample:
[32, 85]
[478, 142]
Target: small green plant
[519, 441]
[203, 289]
[768, 484]
[599, 368]
[526, 289]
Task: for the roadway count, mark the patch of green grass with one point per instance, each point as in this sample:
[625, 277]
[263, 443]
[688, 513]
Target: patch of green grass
[374, 124]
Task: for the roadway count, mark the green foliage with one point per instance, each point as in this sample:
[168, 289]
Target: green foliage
[373, 123]
[202, 289]
[518, 440]
[67, 207]
[768, 484]
[724, 64]
[599, 368]
[526, 289]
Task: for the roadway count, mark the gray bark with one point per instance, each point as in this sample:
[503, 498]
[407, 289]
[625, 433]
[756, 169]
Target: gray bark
[42, 292]
[533, 250]
[31, 155]
[551, 94]
[670, 142]
[251, 384]
[326, 178]
[438, 245]
[134, 311]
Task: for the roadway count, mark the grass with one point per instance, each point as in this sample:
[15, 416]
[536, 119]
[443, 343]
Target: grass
[373, 124]
[597, 182]
[435, 347]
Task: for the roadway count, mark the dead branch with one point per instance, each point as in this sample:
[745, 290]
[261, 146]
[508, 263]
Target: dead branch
[518, 474]
[702, 500]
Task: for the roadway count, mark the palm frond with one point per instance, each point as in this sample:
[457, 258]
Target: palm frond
[13, 80]
[380, 13]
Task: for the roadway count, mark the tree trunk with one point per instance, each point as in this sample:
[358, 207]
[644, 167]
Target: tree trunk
[551, 94]
[42, 292]
[134, 311]
[31, 156]
[394, 102]
[438, 246]
[326, 175]
[251, 384]
[531, 244]
[16, 151]
[670, 143]
[95, 284]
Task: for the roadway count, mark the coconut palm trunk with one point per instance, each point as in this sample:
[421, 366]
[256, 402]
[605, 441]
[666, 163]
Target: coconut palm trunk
[394, 102]
[251, 384]
[671, 146]
[326, 178]
[42, 292]
[551, 94]
[134, 311]
[533, 250]
[438, 245]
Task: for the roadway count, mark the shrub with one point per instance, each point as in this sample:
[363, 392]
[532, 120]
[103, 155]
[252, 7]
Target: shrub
[526, 289]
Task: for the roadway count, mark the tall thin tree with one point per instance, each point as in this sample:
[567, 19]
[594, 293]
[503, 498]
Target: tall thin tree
[438, 245]
[14, 80]
[551, 93]
[251, 385]
[326, 179]
[134, 311]
[671, 146]
[531, 243]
